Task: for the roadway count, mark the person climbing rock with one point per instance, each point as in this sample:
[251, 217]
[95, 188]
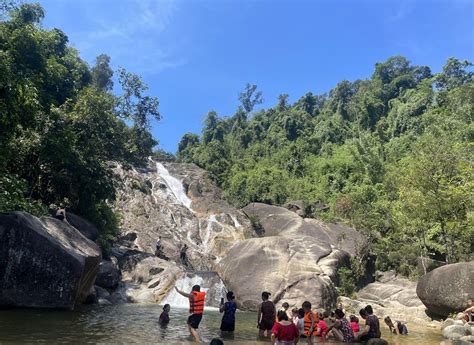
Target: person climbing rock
[196, 309]
[158, 246]
[182, 254]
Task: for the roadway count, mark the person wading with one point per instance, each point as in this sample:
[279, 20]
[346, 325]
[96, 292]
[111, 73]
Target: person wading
[266, 315]
[196, 308]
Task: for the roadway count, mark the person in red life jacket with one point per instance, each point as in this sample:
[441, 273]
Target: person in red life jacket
[196, 309]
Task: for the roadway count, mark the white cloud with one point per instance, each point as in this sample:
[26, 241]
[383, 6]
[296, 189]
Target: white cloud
[134, 34]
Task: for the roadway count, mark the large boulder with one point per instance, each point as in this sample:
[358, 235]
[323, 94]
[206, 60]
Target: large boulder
[390, 295]
[455, 332]
[295, 258]
[83, 225]
[446, 289]
[44, 262]
[288, 268]
[278, 221]
[108, 276]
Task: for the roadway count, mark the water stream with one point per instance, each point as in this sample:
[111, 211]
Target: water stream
[174, 185]
[138, 323]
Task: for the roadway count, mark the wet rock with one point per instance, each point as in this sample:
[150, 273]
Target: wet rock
[446, 289]
[83, 225]
[44, 263]
[455, 332]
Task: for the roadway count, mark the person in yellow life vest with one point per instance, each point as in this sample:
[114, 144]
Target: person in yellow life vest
[310, 322]
[196, 308]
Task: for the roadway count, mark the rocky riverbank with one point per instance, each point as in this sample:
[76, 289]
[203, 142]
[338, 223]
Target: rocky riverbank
[260, 247]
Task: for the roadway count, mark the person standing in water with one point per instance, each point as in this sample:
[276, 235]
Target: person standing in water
[196, 309]
[228, 308]
[266, 315]
[165, 315]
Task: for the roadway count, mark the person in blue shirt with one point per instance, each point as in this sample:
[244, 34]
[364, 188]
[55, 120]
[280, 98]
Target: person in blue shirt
[228, 308]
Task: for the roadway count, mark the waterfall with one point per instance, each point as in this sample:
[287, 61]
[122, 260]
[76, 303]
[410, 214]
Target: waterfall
[236, 221]
[174, 185]
[210, 282]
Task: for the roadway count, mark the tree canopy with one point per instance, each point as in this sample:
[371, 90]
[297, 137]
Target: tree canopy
[60, 124]
[390, 155]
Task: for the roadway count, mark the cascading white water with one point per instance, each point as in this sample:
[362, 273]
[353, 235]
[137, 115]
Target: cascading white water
[209, 282]
[236, 221]
[206, 236]
[174, 185]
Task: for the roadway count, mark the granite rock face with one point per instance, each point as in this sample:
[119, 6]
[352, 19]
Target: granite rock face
[446, 289]
[44, 262]
[296, 259]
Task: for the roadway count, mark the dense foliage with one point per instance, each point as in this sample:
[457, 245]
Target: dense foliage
[60, 124]
[390, 155]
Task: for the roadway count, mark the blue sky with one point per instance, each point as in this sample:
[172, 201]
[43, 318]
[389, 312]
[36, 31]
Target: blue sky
[196, 56]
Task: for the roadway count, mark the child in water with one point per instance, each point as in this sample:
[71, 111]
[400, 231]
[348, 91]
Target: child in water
[164, 316]
[228, 308]
[397, 328]
[322, 327]
[354, 324]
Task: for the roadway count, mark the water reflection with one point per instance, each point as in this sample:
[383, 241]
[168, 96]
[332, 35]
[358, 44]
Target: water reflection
[132, 323]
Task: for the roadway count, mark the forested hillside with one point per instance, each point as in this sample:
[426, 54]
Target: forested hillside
[390, 155]
[60, 123]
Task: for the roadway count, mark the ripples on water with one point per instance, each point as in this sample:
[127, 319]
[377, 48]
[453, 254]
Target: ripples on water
[133, 323]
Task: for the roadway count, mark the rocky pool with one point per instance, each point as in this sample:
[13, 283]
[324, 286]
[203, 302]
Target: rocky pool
[134, 323]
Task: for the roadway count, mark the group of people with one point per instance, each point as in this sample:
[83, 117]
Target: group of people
[287, 327]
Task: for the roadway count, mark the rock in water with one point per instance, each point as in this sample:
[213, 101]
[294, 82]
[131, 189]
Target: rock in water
[44, 262]
[446, 289]
[455, 332]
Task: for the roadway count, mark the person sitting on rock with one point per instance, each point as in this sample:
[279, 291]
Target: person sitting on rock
[61, 212]
[468, 313]
[284, 332]
[354, 324]
[341, 329]
[165, 315]
[398, 327]
[196, 309]
[371, 328]
[266, 315]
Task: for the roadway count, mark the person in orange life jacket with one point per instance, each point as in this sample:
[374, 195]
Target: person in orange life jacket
[196, 309]
[310, 322]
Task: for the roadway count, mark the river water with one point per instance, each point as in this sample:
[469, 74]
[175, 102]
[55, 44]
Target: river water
[137, 323]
